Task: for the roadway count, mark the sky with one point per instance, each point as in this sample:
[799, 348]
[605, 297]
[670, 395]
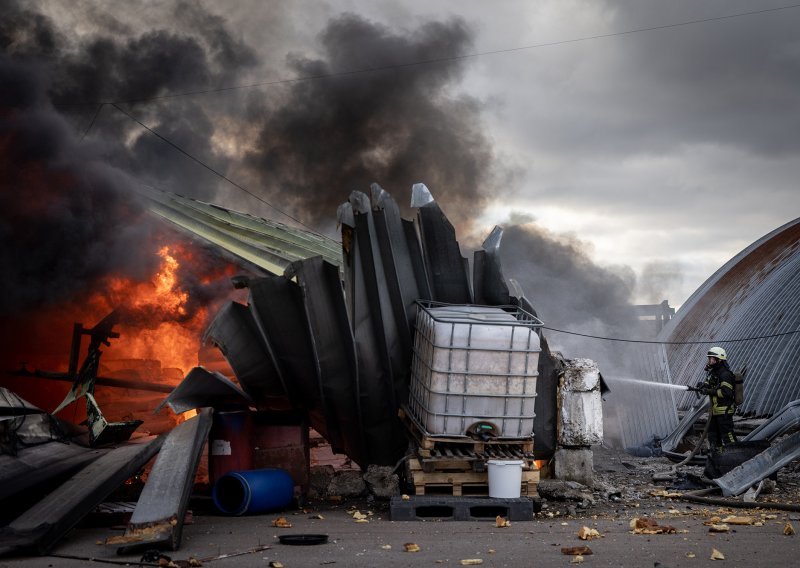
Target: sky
[647, 158]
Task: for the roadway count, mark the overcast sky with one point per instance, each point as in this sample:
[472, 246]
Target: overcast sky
[663, 151]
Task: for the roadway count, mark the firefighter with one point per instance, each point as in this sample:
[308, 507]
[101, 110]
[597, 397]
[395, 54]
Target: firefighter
[719, 386]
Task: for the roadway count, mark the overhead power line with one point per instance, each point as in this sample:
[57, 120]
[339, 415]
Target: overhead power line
[214, 171]
[739, 340]
[434, 60]
[94, 118]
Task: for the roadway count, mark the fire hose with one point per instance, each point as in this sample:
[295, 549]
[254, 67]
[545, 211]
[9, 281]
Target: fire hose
[700, 497]
[673, 471]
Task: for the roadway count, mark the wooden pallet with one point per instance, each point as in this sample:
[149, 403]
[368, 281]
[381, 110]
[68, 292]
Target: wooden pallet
[460, 457]
[429, 445]
[460, 482]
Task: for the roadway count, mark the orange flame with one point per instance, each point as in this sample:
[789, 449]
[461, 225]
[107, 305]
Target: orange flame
[157, 325]
[160, 322]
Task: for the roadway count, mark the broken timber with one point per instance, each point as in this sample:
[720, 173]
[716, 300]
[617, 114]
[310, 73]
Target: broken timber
[157, 521]
[41, 526]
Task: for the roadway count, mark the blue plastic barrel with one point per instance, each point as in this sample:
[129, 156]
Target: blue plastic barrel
[252, 492]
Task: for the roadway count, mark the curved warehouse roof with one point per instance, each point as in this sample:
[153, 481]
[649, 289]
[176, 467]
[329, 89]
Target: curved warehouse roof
[755, 294]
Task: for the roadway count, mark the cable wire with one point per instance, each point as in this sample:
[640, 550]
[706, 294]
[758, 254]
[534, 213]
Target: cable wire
[96, 114]
[216, 172]
[434, 60]
[740, 340]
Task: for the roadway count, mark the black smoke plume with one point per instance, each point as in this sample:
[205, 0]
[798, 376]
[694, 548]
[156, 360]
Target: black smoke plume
[69, 164]
[70, 212]
[568, 289]
[394, 125]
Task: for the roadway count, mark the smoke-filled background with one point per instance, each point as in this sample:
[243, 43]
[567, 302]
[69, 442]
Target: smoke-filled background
[612, 163]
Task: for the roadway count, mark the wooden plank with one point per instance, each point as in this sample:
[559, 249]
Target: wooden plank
[457, 482]
[462, 488]
[157, 521]
[41, 526]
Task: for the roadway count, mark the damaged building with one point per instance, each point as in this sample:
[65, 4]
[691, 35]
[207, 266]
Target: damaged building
[397, 350]
[327, 339]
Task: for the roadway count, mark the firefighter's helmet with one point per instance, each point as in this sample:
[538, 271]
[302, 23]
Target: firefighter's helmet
[718, 352]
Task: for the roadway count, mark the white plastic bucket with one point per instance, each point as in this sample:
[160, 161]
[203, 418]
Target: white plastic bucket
[505, 478]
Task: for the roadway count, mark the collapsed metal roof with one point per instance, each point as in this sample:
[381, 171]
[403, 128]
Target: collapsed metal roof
[267, 244]
[342, 350]
[751, 308]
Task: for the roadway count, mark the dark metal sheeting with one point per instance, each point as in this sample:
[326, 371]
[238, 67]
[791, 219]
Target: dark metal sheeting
[755, 294]
[371, 296]
[367, 299]
[333, 349]
[545, 408]
[489, 284]
[235, 332]
[399, 270]
[202, 387]
[278, 307]
[447, 269]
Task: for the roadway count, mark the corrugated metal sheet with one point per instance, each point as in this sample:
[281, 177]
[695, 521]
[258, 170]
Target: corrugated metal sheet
[634, 413]
[756, 294]
[267, 244]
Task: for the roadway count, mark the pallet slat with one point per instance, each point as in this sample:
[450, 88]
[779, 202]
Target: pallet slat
[428, 444]
[458, 483]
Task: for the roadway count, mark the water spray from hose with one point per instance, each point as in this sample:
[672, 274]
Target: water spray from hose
[650, 383]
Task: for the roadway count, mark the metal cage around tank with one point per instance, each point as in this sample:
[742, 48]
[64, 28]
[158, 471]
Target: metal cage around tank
[474, 370]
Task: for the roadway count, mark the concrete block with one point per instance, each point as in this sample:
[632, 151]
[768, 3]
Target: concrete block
[581, 418]
[382, 481]
[581, 375]
[575, 465]
[347, 483]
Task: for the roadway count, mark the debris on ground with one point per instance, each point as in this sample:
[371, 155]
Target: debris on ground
[576, 551]
[646, 525]
[587, 533]
[734, 520]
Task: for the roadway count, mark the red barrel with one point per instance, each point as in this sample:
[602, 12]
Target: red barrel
[230, 444]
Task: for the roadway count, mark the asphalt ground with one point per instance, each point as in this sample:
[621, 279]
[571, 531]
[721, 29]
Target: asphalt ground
[253, 540]
[378, 541]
